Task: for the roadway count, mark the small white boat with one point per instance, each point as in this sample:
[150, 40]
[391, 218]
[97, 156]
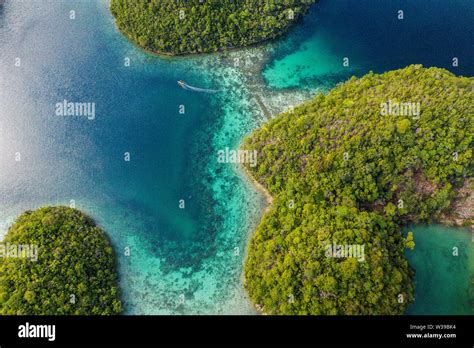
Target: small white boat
[187, 87]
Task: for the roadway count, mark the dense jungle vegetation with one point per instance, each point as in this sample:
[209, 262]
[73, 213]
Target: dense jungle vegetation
[74, 272]
[342, 170]
[198, 26]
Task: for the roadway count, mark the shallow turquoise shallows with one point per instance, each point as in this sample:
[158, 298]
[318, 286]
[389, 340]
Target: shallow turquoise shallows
[444, 262]
[184, 217]
[342, 38]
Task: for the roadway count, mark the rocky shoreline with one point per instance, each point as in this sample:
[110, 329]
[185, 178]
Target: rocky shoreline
[461, 211]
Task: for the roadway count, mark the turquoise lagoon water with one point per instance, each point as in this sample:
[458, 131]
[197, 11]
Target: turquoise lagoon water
[372, 37]
[444, 260]
[183, 261]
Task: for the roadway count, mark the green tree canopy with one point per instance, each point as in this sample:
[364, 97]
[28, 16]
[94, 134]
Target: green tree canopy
[198, 26]
[74, 272]
[344, 171]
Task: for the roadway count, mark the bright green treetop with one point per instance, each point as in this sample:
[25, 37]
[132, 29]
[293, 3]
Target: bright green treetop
[350, 168]
[72, 273]
[199, 26]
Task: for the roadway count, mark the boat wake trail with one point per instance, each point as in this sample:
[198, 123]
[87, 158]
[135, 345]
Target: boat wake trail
[196, 89]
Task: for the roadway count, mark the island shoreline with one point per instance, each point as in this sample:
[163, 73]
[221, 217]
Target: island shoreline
[162, 54]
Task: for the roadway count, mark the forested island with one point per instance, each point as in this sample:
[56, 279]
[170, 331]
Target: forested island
[73, 270]
[178, 27]
[352, 168]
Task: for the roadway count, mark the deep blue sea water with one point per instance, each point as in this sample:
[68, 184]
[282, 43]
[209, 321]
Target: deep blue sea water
[183, 261]
[370, 34]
